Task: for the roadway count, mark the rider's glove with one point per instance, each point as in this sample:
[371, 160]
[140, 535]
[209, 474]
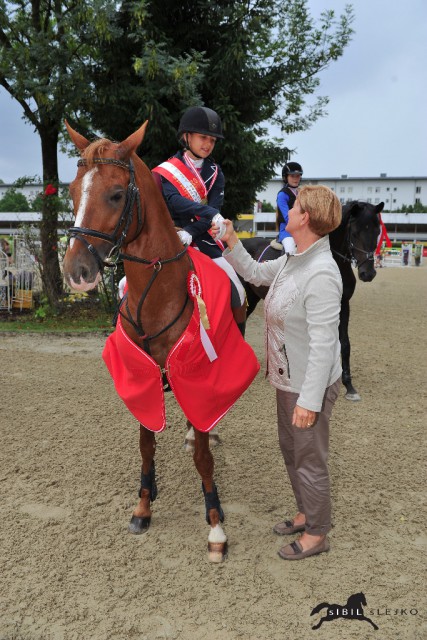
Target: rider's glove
[185, 237]
[218, 220]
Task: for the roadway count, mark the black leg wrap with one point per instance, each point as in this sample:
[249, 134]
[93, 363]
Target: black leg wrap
[148, 481]
[212, 502]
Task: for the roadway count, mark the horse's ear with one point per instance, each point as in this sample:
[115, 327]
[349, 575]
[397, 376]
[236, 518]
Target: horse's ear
[379, 207]
[131, 144]
[79, 140]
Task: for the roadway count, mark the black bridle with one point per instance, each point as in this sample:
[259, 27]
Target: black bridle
[349, 256]
[117, 238]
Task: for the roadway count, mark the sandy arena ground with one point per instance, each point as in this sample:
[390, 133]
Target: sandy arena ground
[69, 479]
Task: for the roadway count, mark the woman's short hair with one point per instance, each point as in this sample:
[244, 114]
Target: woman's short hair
[323, 206]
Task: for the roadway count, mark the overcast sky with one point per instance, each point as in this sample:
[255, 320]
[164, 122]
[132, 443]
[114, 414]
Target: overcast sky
[376, 120]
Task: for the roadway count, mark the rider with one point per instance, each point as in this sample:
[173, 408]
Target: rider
[193, 188]
[291, 174]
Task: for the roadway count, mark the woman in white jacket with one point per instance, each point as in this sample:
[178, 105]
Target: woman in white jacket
[302, 312]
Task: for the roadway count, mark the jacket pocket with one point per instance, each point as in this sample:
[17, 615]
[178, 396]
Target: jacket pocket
[287, 361]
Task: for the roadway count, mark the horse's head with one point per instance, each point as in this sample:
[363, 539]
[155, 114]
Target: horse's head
[357, 600]
[106, 206]
[364, 230]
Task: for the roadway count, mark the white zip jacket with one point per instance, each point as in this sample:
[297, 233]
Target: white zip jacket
[302, 313]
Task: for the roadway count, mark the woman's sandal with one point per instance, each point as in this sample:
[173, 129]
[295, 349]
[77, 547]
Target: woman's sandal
[294, 551]
[287, 528]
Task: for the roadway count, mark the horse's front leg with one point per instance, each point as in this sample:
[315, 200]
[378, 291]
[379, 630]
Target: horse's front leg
[203, 459]
[141, 516]
[351, 393]
[214, 439]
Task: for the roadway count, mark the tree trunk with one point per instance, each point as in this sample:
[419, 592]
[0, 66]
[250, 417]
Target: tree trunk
[51, 273]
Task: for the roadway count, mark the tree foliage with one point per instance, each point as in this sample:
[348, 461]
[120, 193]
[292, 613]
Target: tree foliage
[254, 62]
[14, 201]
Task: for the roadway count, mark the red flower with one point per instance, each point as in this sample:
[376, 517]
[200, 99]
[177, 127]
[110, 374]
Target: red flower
[50, 190]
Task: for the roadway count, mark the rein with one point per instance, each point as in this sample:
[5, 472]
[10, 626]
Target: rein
[351, 247]
[117, 239]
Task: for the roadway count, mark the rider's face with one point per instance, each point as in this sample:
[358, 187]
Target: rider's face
[200, 144]
[293, 180]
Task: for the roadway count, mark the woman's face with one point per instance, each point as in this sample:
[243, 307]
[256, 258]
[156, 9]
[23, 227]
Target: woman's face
[200, 144]
[294, 217]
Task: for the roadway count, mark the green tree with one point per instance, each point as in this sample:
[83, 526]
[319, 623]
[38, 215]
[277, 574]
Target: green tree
[259, 60]
[418, 207]
[14, 201]
[51, 57]
[45, 48]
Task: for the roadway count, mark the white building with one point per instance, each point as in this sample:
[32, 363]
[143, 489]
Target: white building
[394, 192]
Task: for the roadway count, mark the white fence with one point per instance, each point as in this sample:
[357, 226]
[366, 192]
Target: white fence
[17, 278]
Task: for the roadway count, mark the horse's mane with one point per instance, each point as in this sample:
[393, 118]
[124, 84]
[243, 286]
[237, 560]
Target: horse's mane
[97, 149]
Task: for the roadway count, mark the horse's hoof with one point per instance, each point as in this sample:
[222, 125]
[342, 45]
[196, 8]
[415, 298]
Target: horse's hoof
[214, 440]
[354, 397]
[139, 525]
[217, 551]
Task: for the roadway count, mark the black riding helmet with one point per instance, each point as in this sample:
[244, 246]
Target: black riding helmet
[201, 120]
[291, 168]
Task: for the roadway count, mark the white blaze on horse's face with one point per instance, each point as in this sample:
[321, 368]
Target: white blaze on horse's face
[84, 197]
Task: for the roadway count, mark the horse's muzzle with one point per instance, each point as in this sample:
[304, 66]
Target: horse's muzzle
[367, 275]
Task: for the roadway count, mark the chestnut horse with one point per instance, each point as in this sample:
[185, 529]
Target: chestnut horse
[354, 241]
[119, 207]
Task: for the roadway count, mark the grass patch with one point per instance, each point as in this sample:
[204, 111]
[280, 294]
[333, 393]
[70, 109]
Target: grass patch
[78, 317]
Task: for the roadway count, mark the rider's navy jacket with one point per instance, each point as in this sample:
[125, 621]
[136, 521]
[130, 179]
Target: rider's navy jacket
[184, 211]
[285, 201]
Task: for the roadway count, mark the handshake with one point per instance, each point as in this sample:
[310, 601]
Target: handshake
[186, 238]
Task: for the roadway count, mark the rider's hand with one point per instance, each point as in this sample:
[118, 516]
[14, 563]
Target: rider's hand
[185, 237]
[229, 236]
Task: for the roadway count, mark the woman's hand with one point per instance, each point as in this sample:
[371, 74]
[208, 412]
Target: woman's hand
[303, 418]
[230, 236]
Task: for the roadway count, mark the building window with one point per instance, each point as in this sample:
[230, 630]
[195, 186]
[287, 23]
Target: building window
[377, 189]
[342, 189]
[350, 189]
[377, 200]
[417, 200]
[417, 189]
[388, 189]
[394, 200]
[369, 189]
[394, 188]
[342, 200]
[369, 199]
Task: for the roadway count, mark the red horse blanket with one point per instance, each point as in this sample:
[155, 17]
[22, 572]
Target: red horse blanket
[206, 386]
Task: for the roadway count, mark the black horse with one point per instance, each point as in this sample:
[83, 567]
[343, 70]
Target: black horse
[355, 240]
[351, 611]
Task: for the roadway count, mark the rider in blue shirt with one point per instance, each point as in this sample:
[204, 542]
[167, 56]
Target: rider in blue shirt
[291, 174]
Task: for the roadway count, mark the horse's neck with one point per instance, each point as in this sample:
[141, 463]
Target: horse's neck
[156, 293]
[339, 238]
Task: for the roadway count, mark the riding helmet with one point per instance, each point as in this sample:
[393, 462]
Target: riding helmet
[201, 120]
[291, 168]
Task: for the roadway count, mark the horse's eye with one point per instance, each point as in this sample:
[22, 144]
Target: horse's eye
[116, 197]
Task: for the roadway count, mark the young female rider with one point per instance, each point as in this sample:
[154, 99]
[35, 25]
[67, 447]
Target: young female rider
[193, 188]
[291, 174]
